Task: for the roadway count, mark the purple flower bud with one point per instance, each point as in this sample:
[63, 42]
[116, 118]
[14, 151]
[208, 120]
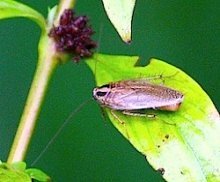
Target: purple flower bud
[73, 35]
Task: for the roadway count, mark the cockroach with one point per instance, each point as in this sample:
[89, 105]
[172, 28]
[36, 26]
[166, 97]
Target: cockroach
[132, 95]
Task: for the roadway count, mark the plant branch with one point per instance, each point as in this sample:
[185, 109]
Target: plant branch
[64, 4]
[45, 68]
[48, 61]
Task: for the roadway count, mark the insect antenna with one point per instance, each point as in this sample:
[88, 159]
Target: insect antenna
[64, 124]
[103, 113]
[99, 45]
[121, 122]
[160, 76]
[68, 119]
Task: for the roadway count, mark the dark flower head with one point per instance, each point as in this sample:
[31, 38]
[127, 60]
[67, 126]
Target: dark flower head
[73, 35]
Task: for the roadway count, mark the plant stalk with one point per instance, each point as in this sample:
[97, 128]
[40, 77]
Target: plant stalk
[47, 63]
[64, 4]
[44, 70]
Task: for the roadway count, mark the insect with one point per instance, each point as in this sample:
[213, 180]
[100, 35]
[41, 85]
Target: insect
[132, 95]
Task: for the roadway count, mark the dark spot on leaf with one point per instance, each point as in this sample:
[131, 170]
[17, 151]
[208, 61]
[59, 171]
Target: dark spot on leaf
[158, 146]
[167, 136]
[161, 170]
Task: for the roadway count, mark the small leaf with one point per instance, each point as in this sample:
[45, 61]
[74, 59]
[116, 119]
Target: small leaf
[37, 174]
[10, 9]
[182, 145]
[9, 174]
[120, 14]
[51, 15]
[19, 165]
[17, 172]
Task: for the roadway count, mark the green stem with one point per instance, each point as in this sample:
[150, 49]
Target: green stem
[48, 61]
[64, 4]
[45, 68]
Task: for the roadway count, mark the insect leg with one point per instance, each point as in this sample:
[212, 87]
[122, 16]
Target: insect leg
[150, 116]
[139, 114]
[103, 113]
[161, 77]
[121, 122]
[116, 117]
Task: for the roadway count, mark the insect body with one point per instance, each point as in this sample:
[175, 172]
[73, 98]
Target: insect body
[138, 94]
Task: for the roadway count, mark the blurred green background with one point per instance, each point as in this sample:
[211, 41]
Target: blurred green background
[183, 33]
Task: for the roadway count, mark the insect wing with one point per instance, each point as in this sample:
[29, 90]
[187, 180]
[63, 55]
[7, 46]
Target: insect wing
[135, 94]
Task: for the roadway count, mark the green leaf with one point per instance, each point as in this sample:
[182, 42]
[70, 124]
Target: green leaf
[38, 175]
[10, 9]
[17, 172]
[19, 165]
[120, 14]
[10, 174]
[182, 145]
[51, 16]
